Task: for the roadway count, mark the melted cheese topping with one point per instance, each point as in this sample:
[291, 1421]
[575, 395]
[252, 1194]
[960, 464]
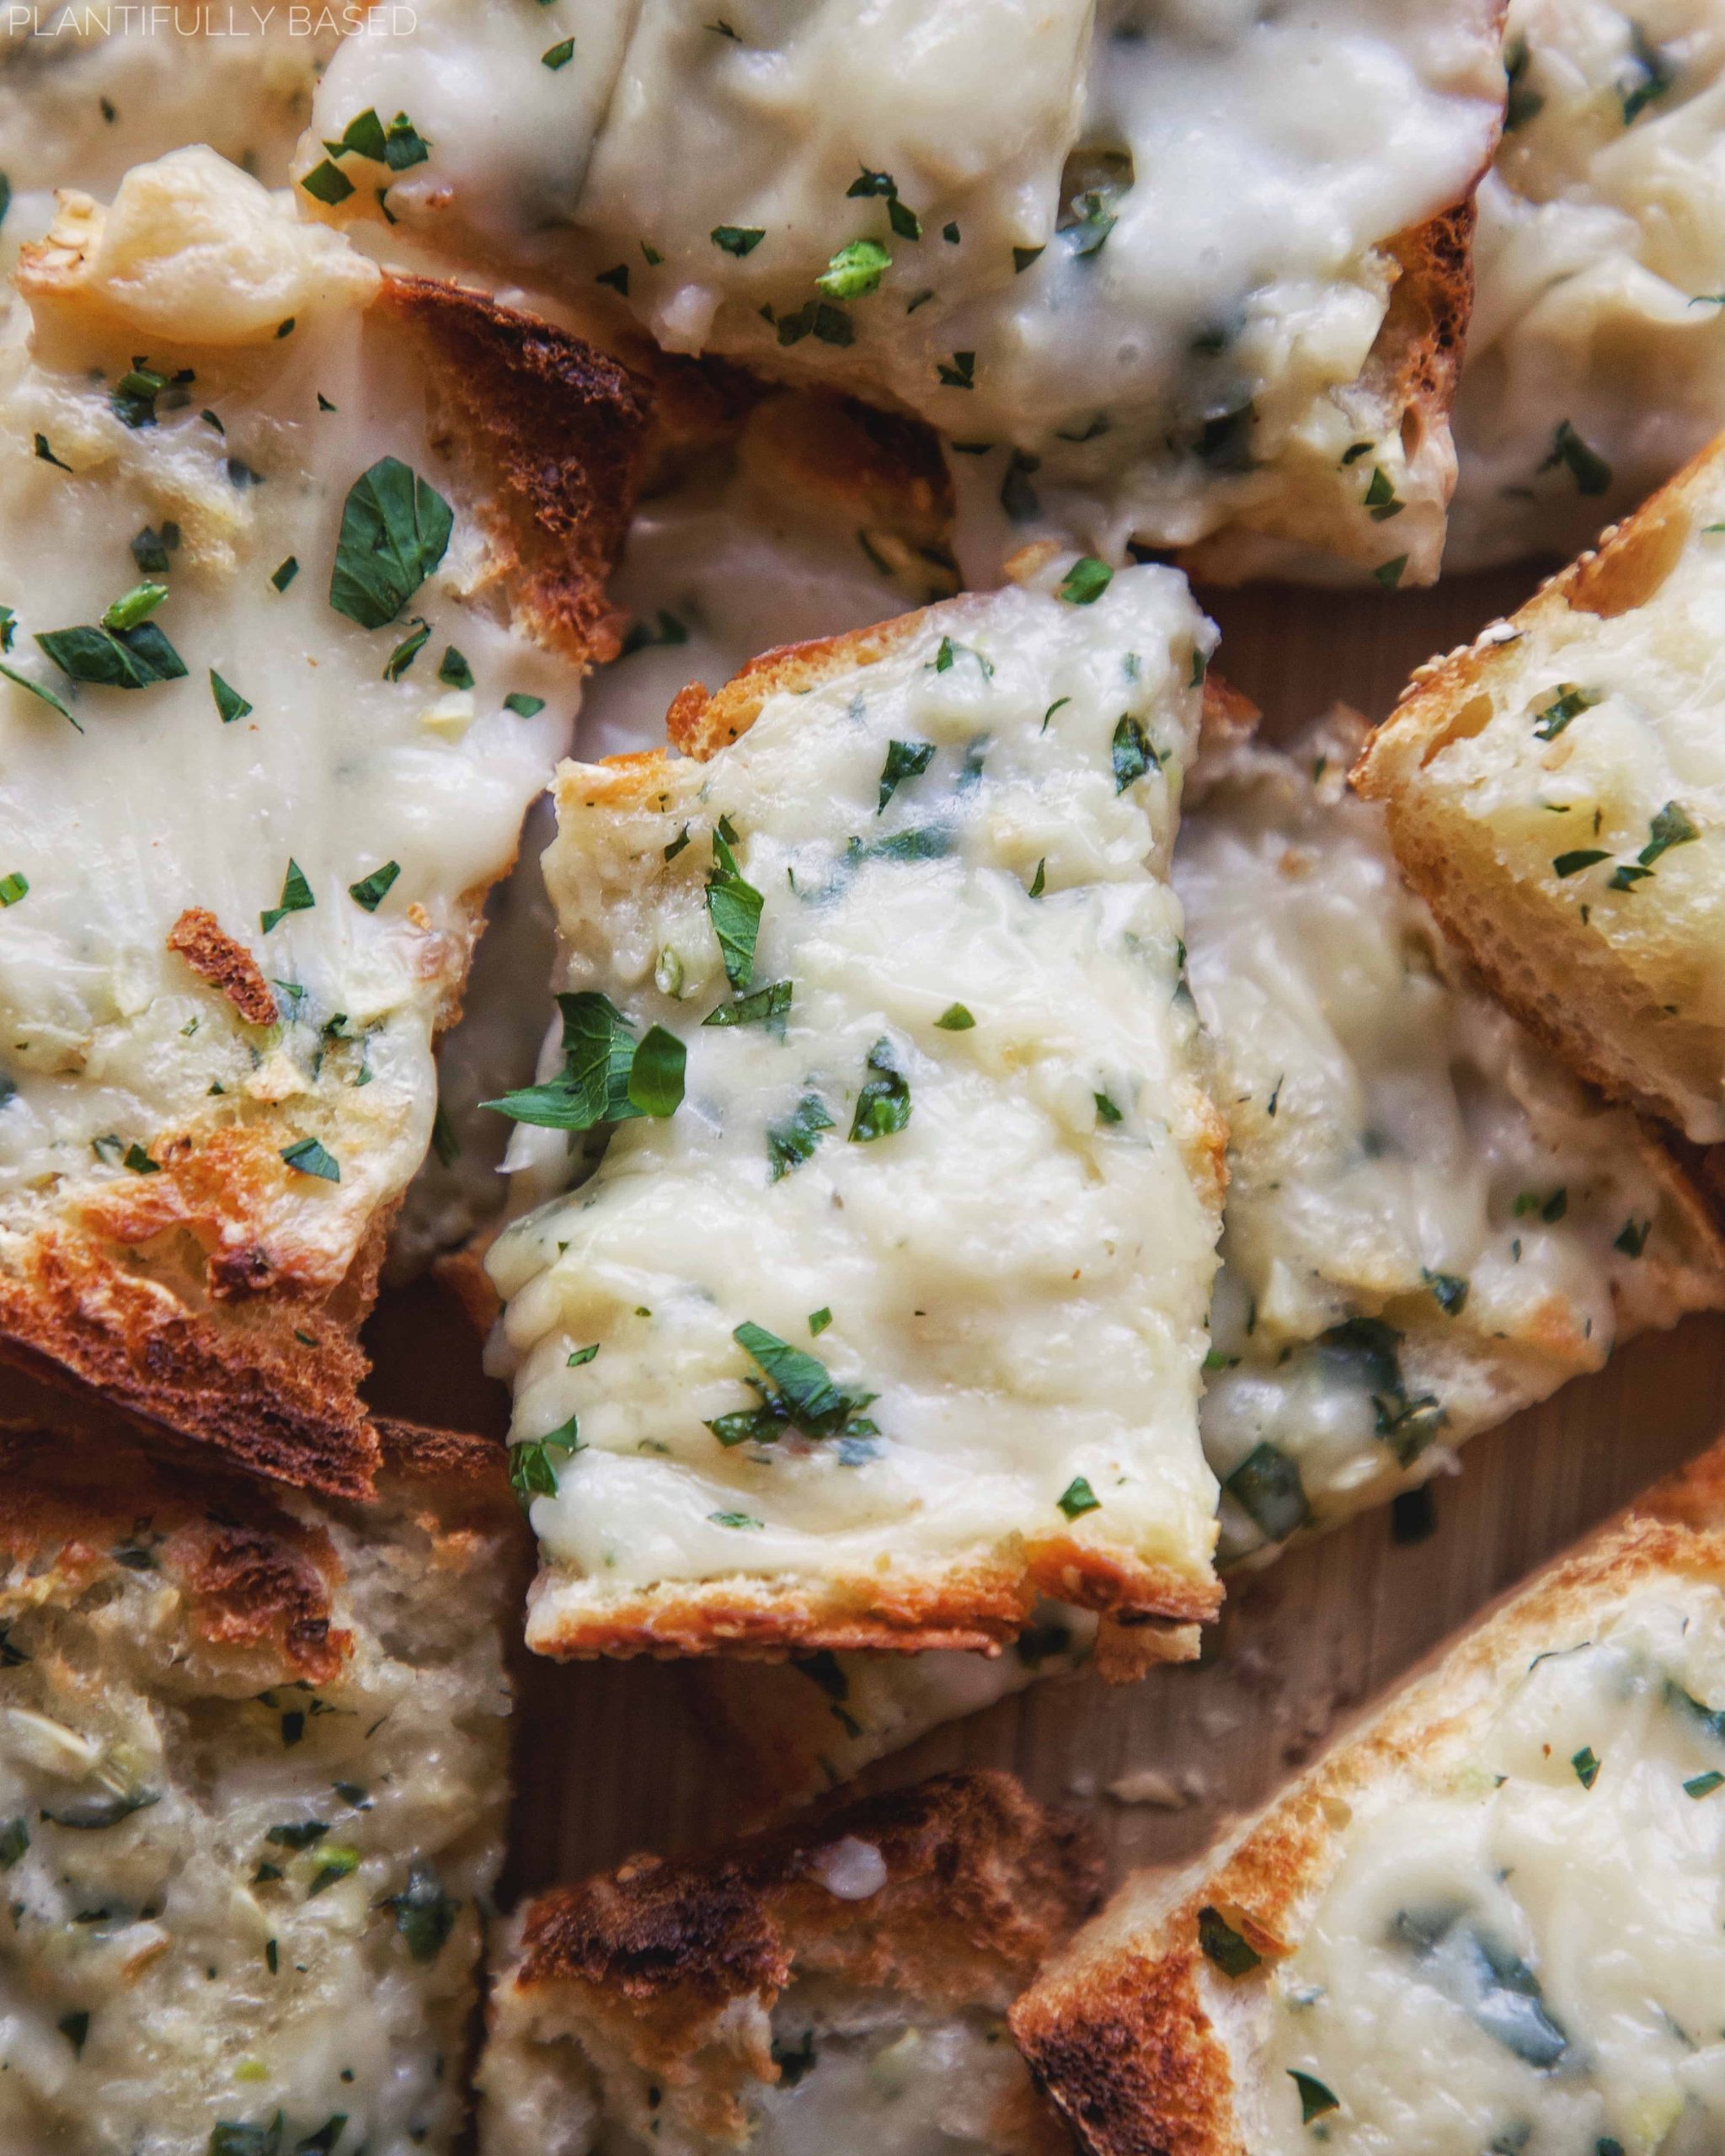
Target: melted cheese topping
[112, 1045]
[1600, 261]
[1118, 246]
[205, 1932]
[1012, 1244]
[1528, 1951]
[87, 92]
[735, 558]
[1428, 1225]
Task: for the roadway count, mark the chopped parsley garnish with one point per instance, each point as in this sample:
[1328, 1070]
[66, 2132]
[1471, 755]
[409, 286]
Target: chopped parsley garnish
[950, 652]
[1231, 1952]
[308, 1157]
[395, 528]
[581, 1355]
[444, 1142]
[424, 1915]
[1499, 1991]
[1106, 1111]
[1670, 828]
[133, 607]
[763, 1006]
[884, 1104]
[533, 1466]
[737, 239]
[1381, 497]
[453, 669]
[47, 456]
[295, 897]
[1316, 2097]
[139, 1161]
[1018, 498]
[1698, 1786]
[370, 891]
[855, 271]
[960, 372]
[298, 1834]
[13, 886]
[1449, 1290]
[1078, 1498]
[14, 1840]
[904, 221]
[955, 1019]
[1631, 1238]
[949, 232]
[1085, 582]
[1389, 573]
[95, 1810]
[1571, 864]
[559, 55]
[1523, 103]
[1568, 703]
[607, 1075]
[1586, 1763]
[818, 1321]
[328, 182]
[1591, 473]
[733, 906]
[522, 705]
[229, 704]
[735, 1519]
[284, 573]
[408, 650]
[1365, 1351]
[792, 1139]
[131, 658]
[1022, 257]
[1038, 882]
[1132, 753]
[617, 279]
[797, 1392]
[817, 318]
[906, 760]
[1268, 1488]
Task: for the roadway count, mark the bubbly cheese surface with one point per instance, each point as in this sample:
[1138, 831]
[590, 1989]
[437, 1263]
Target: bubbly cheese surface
[1596, 351]
[231, 1892]
[1428, 1223]
[225, 487]
[1527, 1950]
[1016, 1273]
[1140, 251]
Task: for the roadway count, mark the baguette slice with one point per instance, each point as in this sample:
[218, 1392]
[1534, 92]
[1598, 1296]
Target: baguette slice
[945, 839]
[1596, 347]
[1491, 1917]
[241, 894]
[840, 1984]
[1141, 290]
[253, 1775]
[1429, 1224]
[1556, 792]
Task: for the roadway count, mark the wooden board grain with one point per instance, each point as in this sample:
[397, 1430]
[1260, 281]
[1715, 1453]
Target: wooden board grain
[612, 1758]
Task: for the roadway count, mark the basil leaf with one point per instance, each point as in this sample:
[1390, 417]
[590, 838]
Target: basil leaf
[765, 1006]
[453, 669]
[596, 1084]
[129, 658]
[1591, 473]
[905, 759]
[656, 1074]
[395, 529]
[799, 1388]
[408, 650]
[1086, 581]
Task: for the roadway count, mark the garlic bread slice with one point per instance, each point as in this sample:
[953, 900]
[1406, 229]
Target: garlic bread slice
[876, 1309]
[1491, 1917]
[301, 565]
[841, 1983]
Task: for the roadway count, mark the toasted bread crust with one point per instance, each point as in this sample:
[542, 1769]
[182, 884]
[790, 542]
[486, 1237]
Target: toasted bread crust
[557, 434]
[1560, 983]
[226, 963]
[1118, 2030]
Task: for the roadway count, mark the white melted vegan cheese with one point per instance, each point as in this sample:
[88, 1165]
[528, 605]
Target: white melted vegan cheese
[1018, 1274]
[1526, 1952]
[1428, 1223]
[1599, 263]
[1143, 245]
[109, 1043]
[86, 93]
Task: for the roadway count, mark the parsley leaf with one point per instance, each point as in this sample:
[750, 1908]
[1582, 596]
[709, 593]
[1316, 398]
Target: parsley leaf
[369, 892]
[424, 1915]
[310, 1158]
[603, 1079]
[229, 704]
[42, 693]
[1568, 703]
[295, 897]
[737, 239]
[1085, 582]
[855, 271]
[905, 759]
[395, 528]
[884, 1104]
[793, 1139]
[1591, 473]
[408, 650]
[126, 659]
[1132, 753]
[799, 1394]
[733, 906]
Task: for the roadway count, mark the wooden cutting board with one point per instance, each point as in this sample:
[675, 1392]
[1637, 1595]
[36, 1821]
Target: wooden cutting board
[611, 1758]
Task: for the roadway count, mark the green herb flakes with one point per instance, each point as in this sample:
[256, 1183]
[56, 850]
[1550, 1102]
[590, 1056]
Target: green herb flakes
[1085, 582]
[1131, 753]
[395, 528]
[855, 271]
[906, 760]
[1227, 1949]
[884, 1104]
[370, 891]
[295, 897]
[229, 704]
[792, 1139]
[737, 239]
[1078, 1498]
[955, 1019]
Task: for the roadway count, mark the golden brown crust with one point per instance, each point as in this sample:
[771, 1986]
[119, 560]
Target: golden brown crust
[1416, 362]
[653, 1962]
[226, 964]
[1566, 988]
[1117, 2029]
[558, 433]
